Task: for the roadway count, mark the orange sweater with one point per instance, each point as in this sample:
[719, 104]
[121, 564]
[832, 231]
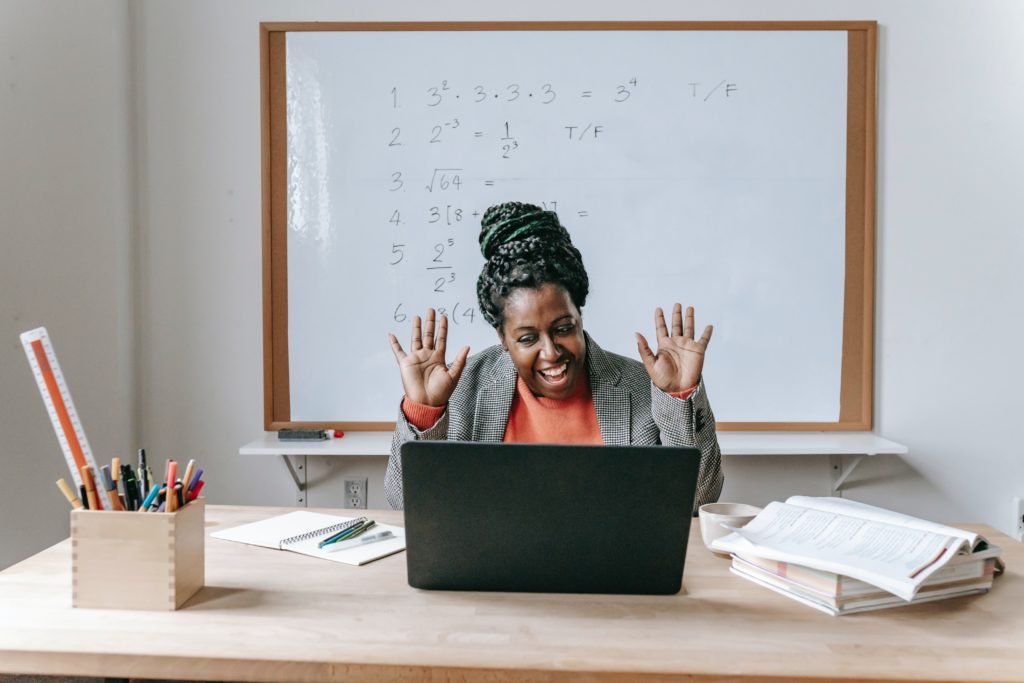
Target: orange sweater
[535, 419]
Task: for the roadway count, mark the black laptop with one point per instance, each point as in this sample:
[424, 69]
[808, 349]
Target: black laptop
[546, 518]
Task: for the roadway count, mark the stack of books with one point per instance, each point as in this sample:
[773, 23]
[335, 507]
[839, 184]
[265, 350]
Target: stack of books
[842, 557]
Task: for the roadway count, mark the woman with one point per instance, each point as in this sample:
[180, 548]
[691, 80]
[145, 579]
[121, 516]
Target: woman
[548, 381]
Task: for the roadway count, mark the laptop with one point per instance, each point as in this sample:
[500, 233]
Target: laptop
[547, 518]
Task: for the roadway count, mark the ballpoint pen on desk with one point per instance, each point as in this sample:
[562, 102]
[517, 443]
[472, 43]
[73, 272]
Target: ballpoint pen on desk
[360, 542]
[356, 526]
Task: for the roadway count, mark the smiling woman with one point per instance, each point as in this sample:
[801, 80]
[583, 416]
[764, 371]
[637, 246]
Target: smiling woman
[548, 381]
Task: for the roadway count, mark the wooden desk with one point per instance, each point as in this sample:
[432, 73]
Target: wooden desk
[270, 615]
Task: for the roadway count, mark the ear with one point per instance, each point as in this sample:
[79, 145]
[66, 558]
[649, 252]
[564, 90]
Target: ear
[501, 338]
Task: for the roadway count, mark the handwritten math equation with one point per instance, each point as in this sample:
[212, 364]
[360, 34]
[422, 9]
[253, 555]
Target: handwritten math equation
[432, 217]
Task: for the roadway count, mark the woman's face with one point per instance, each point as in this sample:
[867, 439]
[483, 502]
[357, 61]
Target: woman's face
[543, 333]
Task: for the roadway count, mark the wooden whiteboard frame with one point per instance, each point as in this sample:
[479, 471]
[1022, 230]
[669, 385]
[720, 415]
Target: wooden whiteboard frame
[856, 382]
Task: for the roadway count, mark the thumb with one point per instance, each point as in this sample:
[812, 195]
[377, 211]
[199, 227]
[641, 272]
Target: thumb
[455, 371]
[646, 355]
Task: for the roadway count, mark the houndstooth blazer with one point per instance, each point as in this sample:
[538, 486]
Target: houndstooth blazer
[630, 411]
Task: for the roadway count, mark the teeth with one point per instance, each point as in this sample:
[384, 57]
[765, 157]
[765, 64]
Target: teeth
[554, 374]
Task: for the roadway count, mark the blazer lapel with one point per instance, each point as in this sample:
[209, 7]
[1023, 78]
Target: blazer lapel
[493, 402]
[611, 401]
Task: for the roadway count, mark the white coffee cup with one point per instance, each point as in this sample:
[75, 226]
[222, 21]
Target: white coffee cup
[715, 517]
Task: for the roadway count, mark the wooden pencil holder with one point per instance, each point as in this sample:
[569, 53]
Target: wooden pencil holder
[137, 560]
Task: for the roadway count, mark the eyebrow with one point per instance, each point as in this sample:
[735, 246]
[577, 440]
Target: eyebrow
[553, 322]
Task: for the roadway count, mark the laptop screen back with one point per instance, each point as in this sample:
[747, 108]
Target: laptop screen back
[547, 518]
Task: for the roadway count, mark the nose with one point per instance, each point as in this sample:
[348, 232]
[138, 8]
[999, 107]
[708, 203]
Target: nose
[548, 349]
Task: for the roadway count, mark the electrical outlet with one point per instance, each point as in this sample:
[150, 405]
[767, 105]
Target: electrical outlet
[355, 494]
[1018, 513]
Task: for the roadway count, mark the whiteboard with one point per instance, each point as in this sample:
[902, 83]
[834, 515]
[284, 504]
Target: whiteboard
[705, 167]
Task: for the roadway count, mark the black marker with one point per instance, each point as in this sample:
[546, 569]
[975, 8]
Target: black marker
[143, 472]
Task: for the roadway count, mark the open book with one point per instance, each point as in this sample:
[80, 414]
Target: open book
[887, 549]
[301, 532]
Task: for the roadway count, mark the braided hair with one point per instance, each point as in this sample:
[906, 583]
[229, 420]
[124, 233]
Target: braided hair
[525, 246]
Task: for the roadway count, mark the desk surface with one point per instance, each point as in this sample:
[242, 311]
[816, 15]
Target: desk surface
[731, 443]
[268, 615]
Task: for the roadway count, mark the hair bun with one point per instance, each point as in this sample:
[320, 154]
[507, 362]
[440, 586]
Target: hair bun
[513, 221]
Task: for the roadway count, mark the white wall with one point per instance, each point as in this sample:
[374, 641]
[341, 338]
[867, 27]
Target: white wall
[65, 252]
[948, 295]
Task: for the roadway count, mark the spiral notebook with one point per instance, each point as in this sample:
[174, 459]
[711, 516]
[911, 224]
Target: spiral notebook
[301, 532]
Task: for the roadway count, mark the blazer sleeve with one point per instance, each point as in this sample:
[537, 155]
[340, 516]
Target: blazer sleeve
[405, 431]
[691, 423]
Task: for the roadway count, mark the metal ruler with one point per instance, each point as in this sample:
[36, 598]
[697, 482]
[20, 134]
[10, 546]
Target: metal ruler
[57, 397]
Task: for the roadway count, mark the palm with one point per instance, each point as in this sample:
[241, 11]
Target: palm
[426, 376]
[678, 363]
[426, 373]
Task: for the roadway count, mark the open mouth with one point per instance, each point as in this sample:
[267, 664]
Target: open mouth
[556, 375]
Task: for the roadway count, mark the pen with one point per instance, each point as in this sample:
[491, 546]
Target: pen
[356, 523]
[172, 474]
[82, 497]
[153, 493]
[90, 489]
[187, 477]
[195, 479]
[111, 488]
[69, 494]
[365, 540]
[195, 491]
[131, 490]
[143, 472]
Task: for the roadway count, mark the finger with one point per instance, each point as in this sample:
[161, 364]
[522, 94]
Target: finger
[689, 328]
[428, 332]
[396, 348]
[706, 337]
[677, 320]
[455, 371]
[646, 355]
[442, 336]
[417, 335]
[660, 330]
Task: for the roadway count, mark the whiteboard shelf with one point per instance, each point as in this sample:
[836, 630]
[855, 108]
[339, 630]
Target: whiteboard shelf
[732, 443]
[833, 444]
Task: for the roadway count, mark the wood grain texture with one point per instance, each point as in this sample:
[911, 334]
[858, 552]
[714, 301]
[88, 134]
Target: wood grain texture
[136, 560]
[267, 615]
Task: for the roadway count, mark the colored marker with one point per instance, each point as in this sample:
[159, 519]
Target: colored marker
[144, 472]
[172, 476]
[153, 493]
[90, 489]
[111, 488]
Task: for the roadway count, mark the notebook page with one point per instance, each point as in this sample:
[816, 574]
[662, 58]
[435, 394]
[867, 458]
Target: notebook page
[269, 533]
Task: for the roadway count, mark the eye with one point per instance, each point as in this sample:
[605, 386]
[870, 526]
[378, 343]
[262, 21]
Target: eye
[527, 339]
[565, 329]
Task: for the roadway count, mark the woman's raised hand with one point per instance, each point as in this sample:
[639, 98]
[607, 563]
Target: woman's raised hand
[425, 374]
[680, 358]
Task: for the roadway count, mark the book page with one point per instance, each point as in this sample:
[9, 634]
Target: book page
[895, 558]
[852, 508]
